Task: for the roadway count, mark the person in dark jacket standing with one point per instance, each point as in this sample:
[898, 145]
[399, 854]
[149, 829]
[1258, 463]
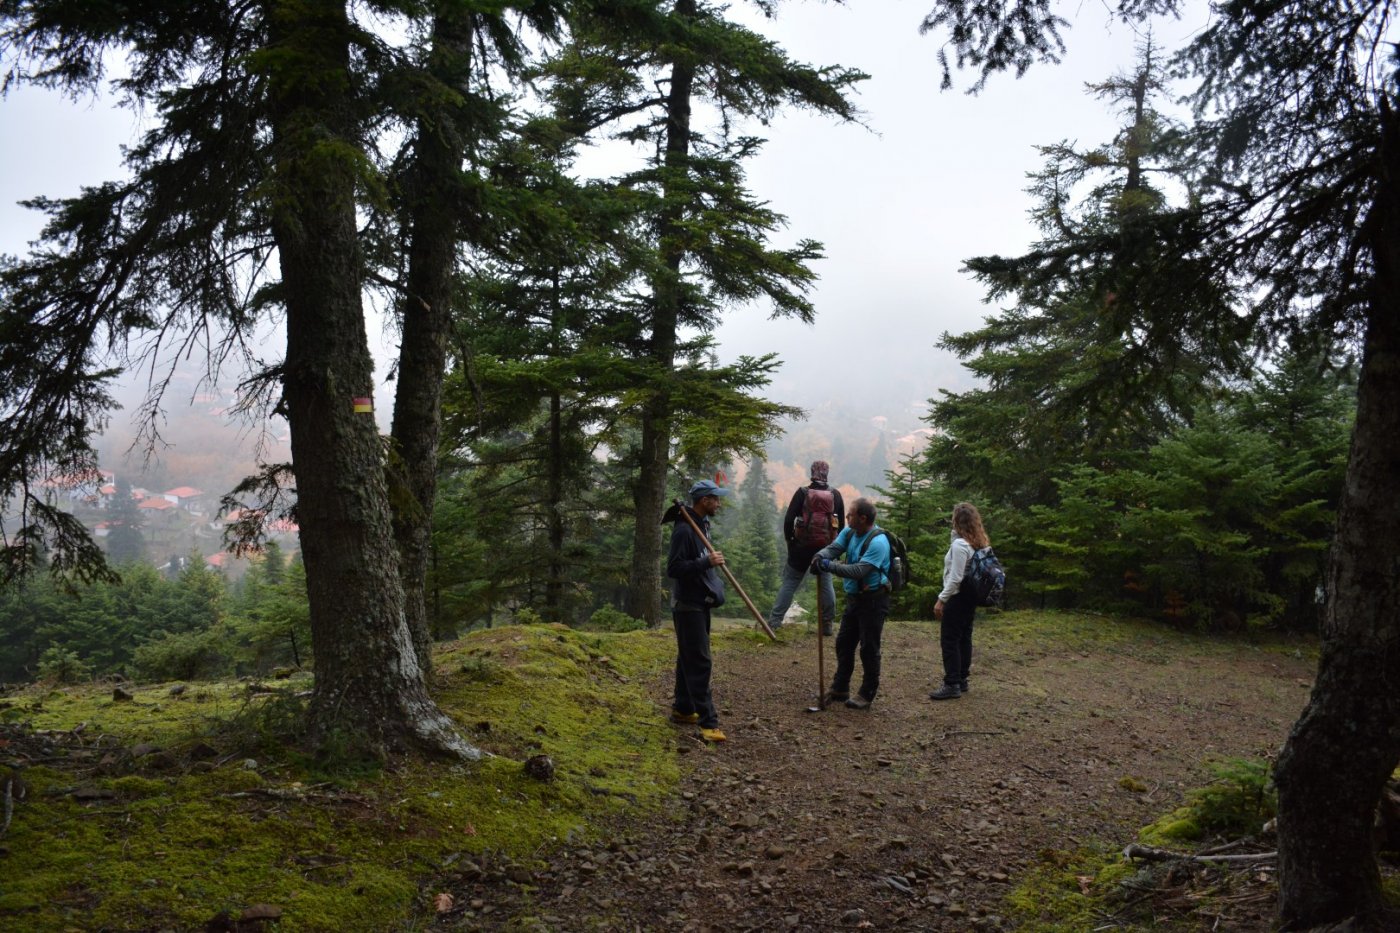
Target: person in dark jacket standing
[865, 577]
[803, 543]
[958, 604]
[696, 588]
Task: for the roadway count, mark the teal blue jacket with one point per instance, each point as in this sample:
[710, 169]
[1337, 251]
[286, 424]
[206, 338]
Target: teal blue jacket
[867, 565]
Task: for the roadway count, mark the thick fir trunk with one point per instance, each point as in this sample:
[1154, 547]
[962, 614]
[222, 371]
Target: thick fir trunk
[554, 512]
[435, 176]
[369, 690]
[1342, 750]
[649, 496]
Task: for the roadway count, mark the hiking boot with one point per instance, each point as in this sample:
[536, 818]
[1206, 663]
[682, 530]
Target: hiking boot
[962, 686]
[713, 735]
[828, 629]
[859, 702]
[831, 696]
[684, 719]
[946, 692]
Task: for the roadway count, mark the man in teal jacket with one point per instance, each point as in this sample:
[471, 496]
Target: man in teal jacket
[865, 578]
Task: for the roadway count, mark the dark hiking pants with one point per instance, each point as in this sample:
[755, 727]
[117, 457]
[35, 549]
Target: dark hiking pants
[861, 626]
[955, 637]
[693, 665]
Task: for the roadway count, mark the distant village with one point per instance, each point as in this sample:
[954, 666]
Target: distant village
[203, 453]
[175, 523]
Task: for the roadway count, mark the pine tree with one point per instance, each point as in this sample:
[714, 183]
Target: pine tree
[1096, 358]
[125, 543]
[1299, 132]
[643, 76]
[256, 160]
[453, 110]
[747, 531]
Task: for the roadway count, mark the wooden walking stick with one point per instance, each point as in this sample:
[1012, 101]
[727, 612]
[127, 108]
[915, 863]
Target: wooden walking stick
[677, 506]
[821, 654]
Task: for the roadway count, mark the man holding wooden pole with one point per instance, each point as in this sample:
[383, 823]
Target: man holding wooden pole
[696, 588]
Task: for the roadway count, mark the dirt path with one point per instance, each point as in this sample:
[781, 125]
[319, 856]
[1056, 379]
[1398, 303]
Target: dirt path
[914, 815]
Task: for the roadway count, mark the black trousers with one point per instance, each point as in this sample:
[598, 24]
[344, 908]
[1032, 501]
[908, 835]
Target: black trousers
[693, 665]
[861, 626]
[955, 637]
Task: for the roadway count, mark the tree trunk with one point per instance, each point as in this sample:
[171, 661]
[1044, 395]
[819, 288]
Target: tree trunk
[434, 210]
[554, 513]
[649, 496]
[369, 690]
[1342, 750]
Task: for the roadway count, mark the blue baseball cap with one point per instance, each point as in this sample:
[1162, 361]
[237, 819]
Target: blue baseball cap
[706, 488]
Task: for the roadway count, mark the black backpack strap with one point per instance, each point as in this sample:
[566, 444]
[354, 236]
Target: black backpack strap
[866, 543]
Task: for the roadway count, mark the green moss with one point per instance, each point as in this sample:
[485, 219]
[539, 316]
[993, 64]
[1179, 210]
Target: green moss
[174, 850]
[1144, 640]
[1178, 826]
[1068, 891]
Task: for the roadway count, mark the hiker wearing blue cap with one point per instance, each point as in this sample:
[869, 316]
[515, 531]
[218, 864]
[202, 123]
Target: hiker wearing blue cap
[695, 589]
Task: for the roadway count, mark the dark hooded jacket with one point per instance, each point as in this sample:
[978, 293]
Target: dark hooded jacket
[694, 583]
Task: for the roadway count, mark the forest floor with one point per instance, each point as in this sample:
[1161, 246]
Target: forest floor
[923, 815]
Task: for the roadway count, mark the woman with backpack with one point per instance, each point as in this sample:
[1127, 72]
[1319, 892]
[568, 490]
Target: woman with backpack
[957, 604]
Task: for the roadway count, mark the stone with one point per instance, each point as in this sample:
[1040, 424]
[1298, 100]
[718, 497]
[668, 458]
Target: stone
[121, 696]
[540, 767]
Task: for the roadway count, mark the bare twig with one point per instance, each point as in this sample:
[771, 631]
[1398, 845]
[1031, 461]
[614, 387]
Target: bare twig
[1154, 854]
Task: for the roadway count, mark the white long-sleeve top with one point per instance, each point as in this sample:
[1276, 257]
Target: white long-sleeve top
[954, 566]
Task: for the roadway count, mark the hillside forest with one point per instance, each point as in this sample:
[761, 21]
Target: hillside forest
[1184, 407]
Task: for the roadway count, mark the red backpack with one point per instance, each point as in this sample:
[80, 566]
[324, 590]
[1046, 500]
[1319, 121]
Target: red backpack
[817, 525]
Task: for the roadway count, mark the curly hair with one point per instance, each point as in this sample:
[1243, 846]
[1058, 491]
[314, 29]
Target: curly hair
[967, 522]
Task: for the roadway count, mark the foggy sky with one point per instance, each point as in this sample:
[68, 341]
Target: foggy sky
[931, 179]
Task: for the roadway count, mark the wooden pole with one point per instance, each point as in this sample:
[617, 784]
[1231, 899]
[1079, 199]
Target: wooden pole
[821, 652]
[728, 574]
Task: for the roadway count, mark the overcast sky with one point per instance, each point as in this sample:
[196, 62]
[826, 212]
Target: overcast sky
[933, 178]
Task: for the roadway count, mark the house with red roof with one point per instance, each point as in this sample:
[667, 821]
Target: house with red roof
[187, 498]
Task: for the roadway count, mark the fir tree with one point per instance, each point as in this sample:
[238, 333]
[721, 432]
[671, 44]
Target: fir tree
[256, 160]
[125, 542]
[644, 75]
[1299, 131]
[1095, 359]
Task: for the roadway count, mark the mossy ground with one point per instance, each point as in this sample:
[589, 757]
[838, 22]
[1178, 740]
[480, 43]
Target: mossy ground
[173, 847]
[1104, 703]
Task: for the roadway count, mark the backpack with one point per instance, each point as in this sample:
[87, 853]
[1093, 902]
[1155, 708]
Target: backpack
[816, 527]
[899, 562]
[898, 573]
[986, 576]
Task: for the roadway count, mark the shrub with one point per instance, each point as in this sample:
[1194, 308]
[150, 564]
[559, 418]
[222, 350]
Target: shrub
[1239, 801]
[184, 656]
[608, 619]
[63, 666]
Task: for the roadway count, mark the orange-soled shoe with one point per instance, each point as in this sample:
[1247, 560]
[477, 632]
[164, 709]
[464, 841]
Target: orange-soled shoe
[713, 735]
